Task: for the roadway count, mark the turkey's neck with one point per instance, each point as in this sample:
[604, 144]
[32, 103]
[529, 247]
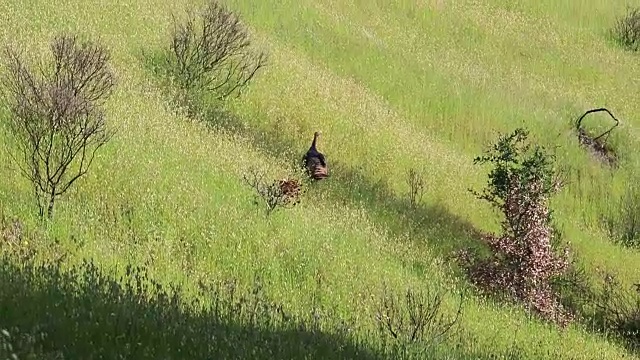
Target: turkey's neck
[315, 139]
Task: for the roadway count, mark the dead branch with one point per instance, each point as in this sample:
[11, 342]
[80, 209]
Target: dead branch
[579, 121]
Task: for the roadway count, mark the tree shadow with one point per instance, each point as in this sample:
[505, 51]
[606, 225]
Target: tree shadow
[83, 313]
[434, 224]
[271, 141]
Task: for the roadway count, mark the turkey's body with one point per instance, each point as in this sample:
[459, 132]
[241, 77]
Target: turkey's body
[315, 162]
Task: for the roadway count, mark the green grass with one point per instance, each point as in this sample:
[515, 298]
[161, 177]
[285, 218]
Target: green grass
[392, 85]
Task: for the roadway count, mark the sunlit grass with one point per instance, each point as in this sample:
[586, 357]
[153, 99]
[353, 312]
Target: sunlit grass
[392, 86]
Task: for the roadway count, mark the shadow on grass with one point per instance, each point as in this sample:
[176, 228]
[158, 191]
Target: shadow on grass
[85, 314]
[81, 313]
[432, 224]
[271, 141]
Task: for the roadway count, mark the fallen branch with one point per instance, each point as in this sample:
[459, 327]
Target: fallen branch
[579, 122]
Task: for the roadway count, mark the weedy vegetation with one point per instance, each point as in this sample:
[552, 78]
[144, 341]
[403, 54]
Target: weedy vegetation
[622, 221]
[627, 29]
[618, 311]
[415, 181]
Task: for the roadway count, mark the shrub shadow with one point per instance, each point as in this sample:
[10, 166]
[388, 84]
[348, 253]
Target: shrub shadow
[82, 313]
[271, 141]
[434, 224]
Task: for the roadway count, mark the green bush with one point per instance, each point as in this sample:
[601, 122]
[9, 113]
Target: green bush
[523, 263]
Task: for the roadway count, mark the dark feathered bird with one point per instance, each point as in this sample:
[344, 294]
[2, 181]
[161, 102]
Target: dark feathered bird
[314, 160]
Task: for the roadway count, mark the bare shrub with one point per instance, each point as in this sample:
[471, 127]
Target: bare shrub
[56, 115]
[282, 193]
[626, 30]
[623, 221]
[415, 181]
[522, 263]
[618, 310]
[416, 317]
[213, 52]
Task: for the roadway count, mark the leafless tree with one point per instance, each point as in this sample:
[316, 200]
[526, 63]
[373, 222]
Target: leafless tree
[213, 52]
[56, 114]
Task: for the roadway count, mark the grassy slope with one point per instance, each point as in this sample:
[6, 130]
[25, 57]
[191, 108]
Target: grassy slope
[420, 84]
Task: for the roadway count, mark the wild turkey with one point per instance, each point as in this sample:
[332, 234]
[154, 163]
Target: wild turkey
[314, 161]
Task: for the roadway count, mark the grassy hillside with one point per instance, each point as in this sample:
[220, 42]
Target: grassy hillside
[393, 86]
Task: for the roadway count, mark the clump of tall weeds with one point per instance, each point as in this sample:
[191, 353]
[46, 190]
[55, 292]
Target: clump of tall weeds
[618, 311]
[622, 221]
[626, 30]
